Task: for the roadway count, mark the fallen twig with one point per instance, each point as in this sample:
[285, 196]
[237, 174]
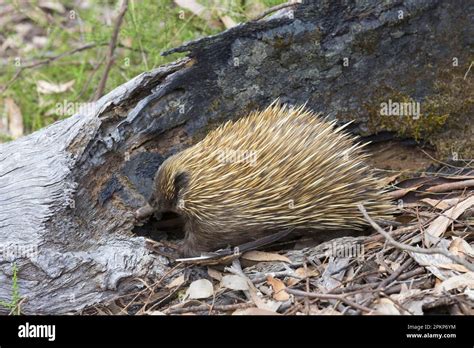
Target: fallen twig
[44, 62]
[341, 298]
[405, 247]
[469, 69]
[259, 278]
[415, 272]
[395, 274]
[306, 299]
[224, 255]
[274, 9]
[207, 307]
[450, 186]
[396, 232]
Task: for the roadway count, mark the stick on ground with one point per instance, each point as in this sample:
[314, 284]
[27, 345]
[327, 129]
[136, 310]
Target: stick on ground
[405, 247]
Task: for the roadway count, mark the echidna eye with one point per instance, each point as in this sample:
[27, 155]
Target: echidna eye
[181, 180]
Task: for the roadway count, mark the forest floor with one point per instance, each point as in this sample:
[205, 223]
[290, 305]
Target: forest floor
[420, 263]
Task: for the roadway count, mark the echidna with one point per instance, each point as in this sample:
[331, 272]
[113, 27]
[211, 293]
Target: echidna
[283, 167]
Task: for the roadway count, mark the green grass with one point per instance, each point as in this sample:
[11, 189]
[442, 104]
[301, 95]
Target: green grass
[14, 304]
[149, 28]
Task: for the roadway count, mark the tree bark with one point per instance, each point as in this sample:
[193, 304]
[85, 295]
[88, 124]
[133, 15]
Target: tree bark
[68, 192]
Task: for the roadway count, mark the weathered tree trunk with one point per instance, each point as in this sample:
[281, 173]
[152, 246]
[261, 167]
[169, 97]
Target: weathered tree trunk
[67, 192]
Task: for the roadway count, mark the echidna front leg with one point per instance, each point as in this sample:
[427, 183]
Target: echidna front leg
[200, 238]
[188, 248]
[193, 244]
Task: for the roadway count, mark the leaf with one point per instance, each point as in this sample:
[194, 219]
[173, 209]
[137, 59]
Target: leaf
[39, 41]
[254, 311]
[308, 272]
[454, 267]
[372, 245]
[279, 287]
[469, 293]
[451, 186]
[228, 22]
[433, 262]
[193, 6]
[412, 300]
[155, 313]
[303, 274]
[198, 10]
[387, 180]
[199, 289]
[386, 307]
[334, 272]
[441, 204]
[459, 282]
[214, 274]
[261, 256]
[52, 5]
[176, 282]
[458, 177]
[15, 118]
[441, 223]
[234, 282]
[461, 248]
[402, 192]
[258, 300]
[45, 87]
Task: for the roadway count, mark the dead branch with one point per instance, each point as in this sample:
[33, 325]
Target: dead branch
[451, 186]
[341, 298]
[274, 9]
[395, 274]
[206, 307]
[110, 53]
[44, 62]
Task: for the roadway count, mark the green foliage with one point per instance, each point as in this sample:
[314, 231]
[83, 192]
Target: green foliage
[149, 28]
[13, 305]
